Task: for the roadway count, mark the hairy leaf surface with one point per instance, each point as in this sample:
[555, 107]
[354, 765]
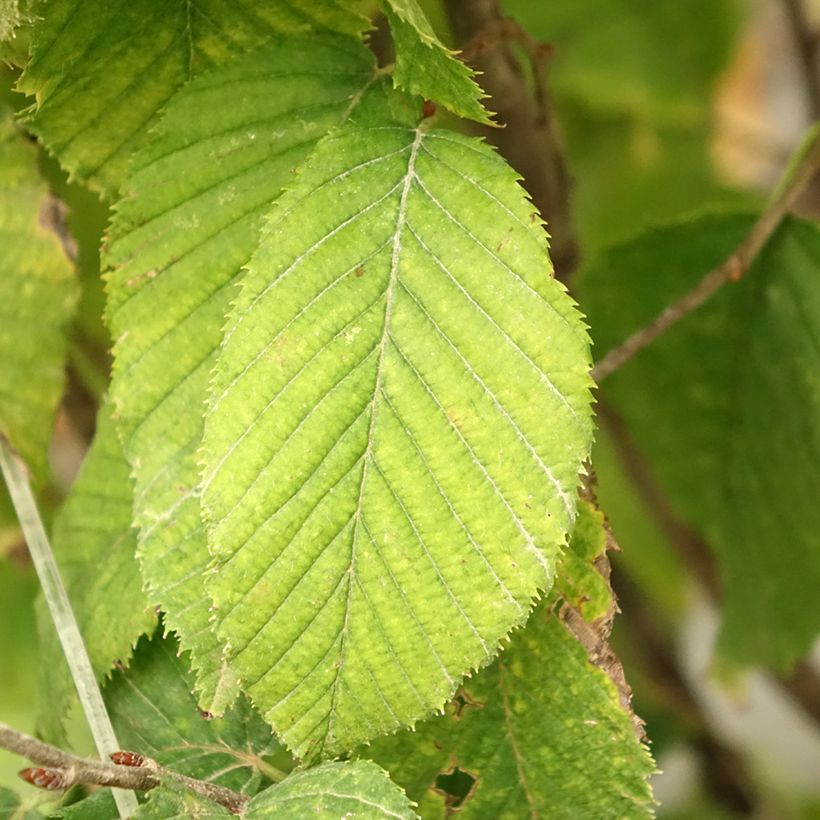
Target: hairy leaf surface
[101, 71]
[356, 790]
[542, 732]
[189, 220]
[37, 297]
[730, 424]
[94, 545]
[425, 67]
[398, 417]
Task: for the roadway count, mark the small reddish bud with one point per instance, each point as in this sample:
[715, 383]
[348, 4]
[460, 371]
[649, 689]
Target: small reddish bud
[428, 108]
[206, 715]
[127, 758]
[51, 779]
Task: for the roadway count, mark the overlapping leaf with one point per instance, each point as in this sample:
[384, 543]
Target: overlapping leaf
[357, 790]
[37, 296]
[94, 545]
[730, 424]
[101, 72]
[154, 713]
[541, 733]
[399, 413]
[425, 67]
[189, 220]
[328, 792]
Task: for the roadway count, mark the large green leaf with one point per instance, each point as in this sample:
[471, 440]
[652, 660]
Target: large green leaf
[726, 406]
[94, 545]
[189, 220]
[101, 71]
[356, 790]
[155, 714]
[425, 67]
[37, 296]
[399, 414]
[541, 733]
[327, 792]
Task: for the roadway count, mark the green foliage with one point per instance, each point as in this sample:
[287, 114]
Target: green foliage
[542, 732]
[155, 714]
[13, 808]
[425, 67]
[340, 448]
[356, 790]
[183, 245]
[93, 529]
[37, 295]
[730, 421]
[363, 447]
[134, 54]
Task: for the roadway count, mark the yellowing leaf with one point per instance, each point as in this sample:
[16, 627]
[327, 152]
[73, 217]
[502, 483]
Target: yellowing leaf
[399, 413]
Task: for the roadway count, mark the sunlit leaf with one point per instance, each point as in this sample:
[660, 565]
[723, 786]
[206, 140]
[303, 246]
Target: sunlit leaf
[101, 71]
[189, 220]
[425, 67]
[399, 413]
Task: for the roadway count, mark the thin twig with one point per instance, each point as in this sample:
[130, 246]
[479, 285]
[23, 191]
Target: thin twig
[529, 140]
[64, 770]
[808, 50]
[62, 614]
[796, 178]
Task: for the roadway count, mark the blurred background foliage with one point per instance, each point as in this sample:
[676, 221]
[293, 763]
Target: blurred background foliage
[663, 109]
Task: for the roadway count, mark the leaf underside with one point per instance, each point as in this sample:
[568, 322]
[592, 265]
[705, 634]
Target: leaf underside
[37, 296]
[101, 71]
[399, 413]
[730, 426]
[189, 220]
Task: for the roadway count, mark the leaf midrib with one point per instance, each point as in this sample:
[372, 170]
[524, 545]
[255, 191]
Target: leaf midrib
[401, 219]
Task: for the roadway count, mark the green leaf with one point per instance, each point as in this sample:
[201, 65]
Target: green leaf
[37, 297]
[155, 714]
[101, 72]
[578, 580]
[541, 733]
[399, 414]
[13, 808]
[730, 420]
[98, 806]
[356, 790]
[188, 221]
[172, 802]
[426, 68]
[94, 546]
